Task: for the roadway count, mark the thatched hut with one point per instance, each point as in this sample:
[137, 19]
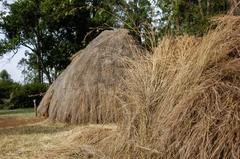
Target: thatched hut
[85, 91]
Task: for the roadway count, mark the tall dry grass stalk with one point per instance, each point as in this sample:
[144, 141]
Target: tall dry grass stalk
[234, 7]
[184, 100]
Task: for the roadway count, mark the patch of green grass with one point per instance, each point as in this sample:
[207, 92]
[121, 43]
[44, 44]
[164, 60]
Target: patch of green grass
[26, 112]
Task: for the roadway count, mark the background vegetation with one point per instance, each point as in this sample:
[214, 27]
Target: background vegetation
[14, 95]
[52, 31]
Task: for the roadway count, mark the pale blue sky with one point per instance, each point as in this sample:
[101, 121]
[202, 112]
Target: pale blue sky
[10, 63]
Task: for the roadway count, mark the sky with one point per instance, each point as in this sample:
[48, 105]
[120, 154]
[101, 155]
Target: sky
[10, 62]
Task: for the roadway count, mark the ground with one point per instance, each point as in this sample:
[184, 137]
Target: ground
[23, 136]
[19, 117]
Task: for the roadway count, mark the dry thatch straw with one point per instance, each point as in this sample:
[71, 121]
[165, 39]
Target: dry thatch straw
[234, 7]
[184, 101]
[85, 91]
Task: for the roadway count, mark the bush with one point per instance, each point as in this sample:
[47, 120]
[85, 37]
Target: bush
[6, 87]
[21, 96]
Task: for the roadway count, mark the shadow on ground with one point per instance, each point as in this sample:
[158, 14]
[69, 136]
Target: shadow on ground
[32, 129]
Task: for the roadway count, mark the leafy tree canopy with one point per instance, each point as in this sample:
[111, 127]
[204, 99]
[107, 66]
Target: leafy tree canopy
[53, 30]
[191, 17]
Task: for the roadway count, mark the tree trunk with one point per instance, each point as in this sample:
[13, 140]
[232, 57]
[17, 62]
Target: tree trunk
[39, 71]
[47, 73]
[43, 68]
[40, 56]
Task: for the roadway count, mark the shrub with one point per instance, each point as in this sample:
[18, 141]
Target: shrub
[21, 96]
[6, 87]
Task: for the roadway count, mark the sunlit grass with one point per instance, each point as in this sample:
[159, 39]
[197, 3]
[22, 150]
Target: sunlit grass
[26, 112]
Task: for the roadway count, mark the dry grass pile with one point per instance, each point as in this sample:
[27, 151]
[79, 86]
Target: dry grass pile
[46, 140]
[234, 7]
[184, 100]
[85, 91]
[80, 142]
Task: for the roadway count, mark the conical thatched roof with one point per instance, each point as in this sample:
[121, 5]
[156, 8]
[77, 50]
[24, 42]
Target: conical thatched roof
[85, 91]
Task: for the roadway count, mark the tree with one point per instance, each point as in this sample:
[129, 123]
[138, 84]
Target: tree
[6, 87]
[139, 20]
[22, 26]
[53, 30]
[189, 16]
[5, 76]
[22, 95]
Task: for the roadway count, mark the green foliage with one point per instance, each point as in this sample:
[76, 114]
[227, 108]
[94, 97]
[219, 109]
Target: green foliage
[14, 95]
[5, 76]
[191, 17]
[21, 96]
[52, 31]
[138, 17]
[6, 87]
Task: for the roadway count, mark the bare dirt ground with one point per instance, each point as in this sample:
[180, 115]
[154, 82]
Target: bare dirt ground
[12, 121]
